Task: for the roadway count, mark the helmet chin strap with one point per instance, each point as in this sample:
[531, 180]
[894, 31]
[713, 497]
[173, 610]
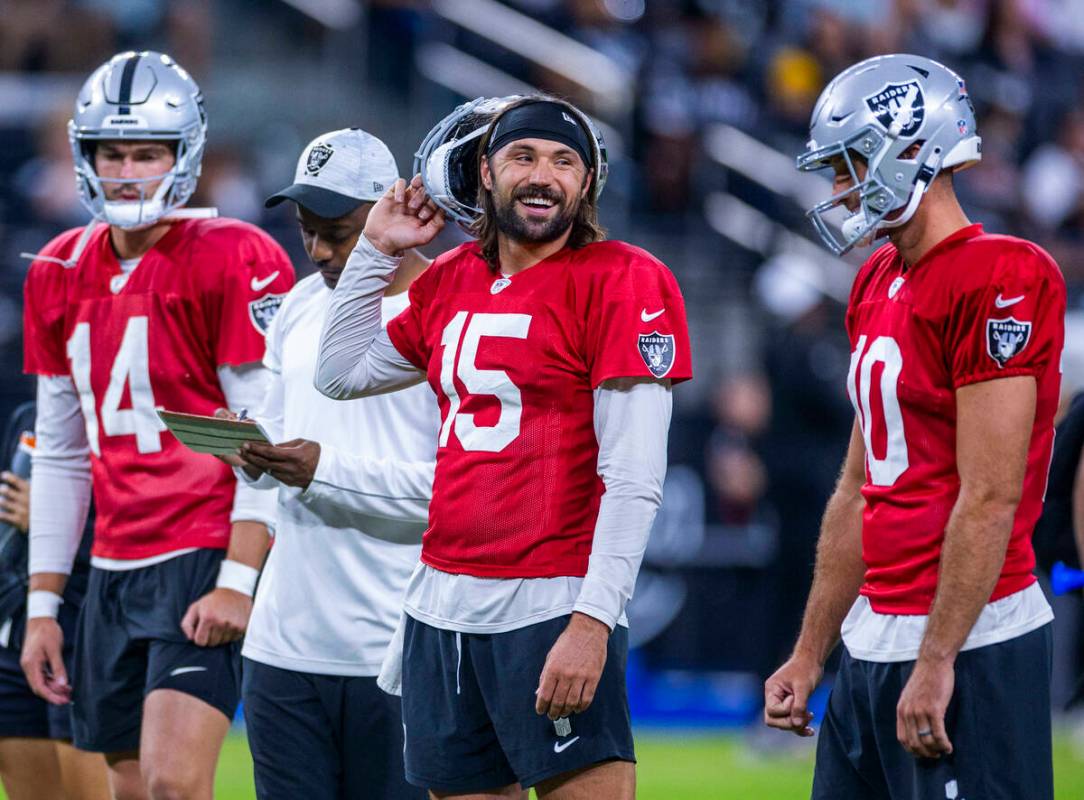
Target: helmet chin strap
[926, 173]
[855, 224]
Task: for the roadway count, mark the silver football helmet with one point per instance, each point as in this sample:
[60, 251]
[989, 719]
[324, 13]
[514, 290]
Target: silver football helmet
[876, 110]
[139, 96]
[447, 158]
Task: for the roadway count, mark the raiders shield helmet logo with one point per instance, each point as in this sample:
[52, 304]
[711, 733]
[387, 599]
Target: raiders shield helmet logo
[657, 351]
[263, 310]
[897, 99]
[1005, 338]
[318, 156]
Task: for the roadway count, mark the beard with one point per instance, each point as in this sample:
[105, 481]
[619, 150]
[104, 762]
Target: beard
[522, 229]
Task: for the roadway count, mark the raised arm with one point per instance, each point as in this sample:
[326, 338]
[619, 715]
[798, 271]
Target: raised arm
[356, 358]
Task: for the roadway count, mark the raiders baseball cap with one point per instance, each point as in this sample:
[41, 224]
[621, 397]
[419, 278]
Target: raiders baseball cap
[339, 171]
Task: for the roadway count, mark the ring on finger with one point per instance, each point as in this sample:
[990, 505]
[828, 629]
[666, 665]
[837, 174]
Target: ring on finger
[926, 732]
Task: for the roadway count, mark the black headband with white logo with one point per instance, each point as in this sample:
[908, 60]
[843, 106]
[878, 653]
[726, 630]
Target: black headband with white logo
[542, 120]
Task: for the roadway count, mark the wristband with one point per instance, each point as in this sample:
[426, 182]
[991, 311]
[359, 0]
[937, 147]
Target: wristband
[237, 576]
[43, 603]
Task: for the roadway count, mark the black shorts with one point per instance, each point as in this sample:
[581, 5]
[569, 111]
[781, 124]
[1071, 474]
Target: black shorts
[469, 717]
[998, 722]
[22, 712]
[323, 737]
[129, 642]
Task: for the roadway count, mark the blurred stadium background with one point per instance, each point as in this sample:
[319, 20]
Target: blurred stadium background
[704, 103]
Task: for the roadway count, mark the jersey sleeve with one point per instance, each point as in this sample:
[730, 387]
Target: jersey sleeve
[253, 285]
[1011, 324]
[635, 324]
[44, 306]
[407, 329]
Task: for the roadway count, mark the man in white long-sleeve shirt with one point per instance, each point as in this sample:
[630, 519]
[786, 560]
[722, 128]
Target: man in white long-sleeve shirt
[353, 483]
[551, 353]
[152, 308]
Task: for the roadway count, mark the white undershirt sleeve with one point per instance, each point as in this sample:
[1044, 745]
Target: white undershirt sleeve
[377, 487]
[356, 356]
[60, 477]
[248, 386]
[632, 422]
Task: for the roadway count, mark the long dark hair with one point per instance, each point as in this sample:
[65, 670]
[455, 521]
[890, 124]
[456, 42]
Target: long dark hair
[585, 225]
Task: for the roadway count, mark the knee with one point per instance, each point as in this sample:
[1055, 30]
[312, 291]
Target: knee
[173, 782]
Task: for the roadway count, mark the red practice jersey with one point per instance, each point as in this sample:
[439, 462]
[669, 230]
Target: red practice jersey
[200, 298]
[514, 363]
[977, 307]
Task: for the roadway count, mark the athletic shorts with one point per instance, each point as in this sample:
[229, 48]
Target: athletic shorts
[998, 722]
[129, 642]
[469, 716]
[23, 713]
[323, 737]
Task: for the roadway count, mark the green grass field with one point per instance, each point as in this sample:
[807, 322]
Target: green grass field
[691, 767]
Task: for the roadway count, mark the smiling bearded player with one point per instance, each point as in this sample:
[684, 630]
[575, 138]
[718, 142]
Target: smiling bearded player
[147, 306]
[550, 459]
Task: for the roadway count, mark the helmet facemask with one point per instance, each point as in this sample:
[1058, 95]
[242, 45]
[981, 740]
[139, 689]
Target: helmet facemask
[907, 117]
[169, 110]
[881, 204]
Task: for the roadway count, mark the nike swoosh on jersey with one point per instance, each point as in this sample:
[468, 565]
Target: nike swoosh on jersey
[183, 670]
[259, 284]
[1012, 301]
[645, 317]
[560, 747]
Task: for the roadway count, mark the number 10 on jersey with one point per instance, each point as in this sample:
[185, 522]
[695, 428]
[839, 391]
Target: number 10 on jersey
[884, 468]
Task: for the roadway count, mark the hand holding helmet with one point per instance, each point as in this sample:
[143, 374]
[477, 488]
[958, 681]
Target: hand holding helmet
[404, 218]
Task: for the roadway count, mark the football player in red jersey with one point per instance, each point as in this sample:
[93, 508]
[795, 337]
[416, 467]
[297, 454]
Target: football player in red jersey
[148, 306]
[551, 353]
[925, 562]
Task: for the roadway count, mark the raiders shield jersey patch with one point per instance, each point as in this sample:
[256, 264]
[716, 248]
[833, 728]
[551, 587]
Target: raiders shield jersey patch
[263, 310]
[657, 351]
[1006, 338]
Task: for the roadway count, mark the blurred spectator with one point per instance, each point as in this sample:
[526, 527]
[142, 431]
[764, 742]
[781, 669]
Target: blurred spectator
[52, 36]
[45, 185]
[1053, 177]
[805, 359]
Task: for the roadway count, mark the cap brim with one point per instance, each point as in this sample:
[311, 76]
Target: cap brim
[321, 202]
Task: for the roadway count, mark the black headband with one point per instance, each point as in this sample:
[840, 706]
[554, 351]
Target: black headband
[542, 120]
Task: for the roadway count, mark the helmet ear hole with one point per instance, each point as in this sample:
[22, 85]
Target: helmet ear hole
[912, 151]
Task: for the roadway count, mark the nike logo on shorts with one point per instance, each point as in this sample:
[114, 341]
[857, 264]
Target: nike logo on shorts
[183, 670]
[259, 284]
[645, 317]
[1012, 301]
[560, 747]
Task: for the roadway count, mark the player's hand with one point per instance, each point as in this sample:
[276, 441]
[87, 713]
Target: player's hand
[403, 218]
[573, 668]
[922, 706]
[292, 463]
[786, 695]
[42, 660]
[220, 616]
[234, 459]
[15, 500]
